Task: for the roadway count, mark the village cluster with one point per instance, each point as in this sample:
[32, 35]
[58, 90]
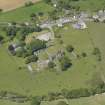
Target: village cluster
[46, 39]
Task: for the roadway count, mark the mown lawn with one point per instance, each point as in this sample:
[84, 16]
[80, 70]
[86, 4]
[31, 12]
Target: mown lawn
[23, 14]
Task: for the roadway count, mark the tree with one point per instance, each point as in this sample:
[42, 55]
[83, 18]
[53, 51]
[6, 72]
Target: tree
[70, 48]
[1, 10]
[53, 15]
[65, 63]
[62, 103]
[97, 53]
[36, 101]
[47, 1]
[32, 58]
[84, 54]
[30, 3]
[1, 38]
[36, 45]
[33, 16]
[51, 64]
[11, 31]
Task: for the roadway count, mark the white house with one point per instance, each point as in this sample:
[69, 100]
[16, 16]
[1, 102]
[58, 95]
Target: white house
[45, 37]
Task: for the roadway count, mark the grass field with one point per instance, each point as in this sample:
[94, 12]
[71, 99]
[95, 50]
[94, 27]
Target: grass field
[94, 100]
[90, 5]
[23, 14]
[13, 4]
[23, 82]
[82, 70]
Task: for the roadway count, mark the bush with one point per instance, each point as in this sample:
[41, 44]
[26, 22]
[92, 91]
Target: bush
[3, 94]
[20, 52]
[30, 3]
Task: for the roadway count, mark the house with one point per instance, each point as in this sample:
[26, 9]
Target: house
[80, 25]
[95, 17]
[45, 37]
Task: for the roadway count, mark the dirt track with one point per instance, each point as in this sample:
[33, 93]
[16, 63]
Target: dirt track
[7, 5]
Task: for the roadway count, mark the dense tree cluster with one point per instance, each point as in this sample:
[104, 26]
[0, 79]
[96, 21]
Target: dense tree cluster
[11, 31]
[65, 63]
[32, 58]
[36, 45]
[1, 38]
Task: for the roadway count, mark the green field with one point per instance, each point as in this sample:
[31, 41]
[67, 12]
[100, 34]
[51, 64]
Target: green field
[23, 14]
